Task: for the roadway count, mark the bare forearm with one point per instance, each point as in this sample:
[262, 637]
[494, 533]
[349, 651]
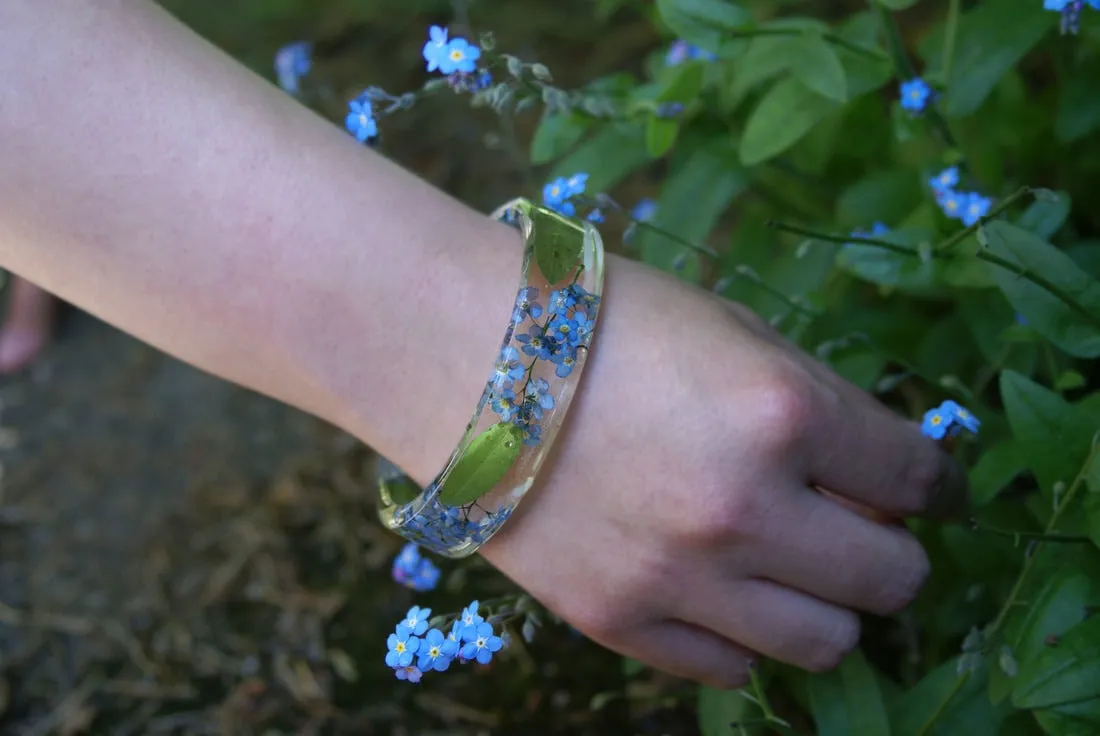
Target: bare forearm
[153, 181]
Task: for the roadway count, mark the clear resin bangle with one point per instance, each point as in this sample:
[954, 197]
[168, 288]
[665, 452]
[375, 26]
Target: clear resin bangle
[527, 394]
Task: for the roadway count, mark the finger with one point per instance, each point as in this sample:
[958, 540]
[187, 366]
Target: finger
[781, 623]
[835, 554]
[691, 652]
[859, 449]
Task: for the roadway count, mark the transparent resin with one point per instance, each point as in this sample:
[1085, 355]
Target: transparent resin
[530, 386]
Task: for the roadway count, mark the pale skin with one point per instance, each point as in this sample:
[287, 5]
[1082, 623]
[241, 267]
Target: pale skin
[152, 181]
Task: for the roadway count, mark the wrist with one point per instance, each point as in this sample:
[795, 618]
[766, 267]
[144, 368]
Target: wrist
[405, 358]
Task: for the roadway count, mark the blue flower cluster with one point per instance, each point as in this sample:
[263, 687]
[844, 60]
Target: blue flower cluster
[569, 320]
[449, 55]
[413, 649]
[436, 526]
[948, 420]
[681, 51]
[557, 194]
[915, 95]
[292, 62]
[969, 207]
[1071, 12]
[414, 571]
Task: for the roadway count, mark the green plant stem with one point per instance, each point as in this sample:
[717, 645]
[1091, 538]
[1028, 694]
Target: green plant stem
[702, 249]
[830, 37]
[760, 695]
[1003, 205]
[1051, 288]
[951, 36]
[1025, 572]
[842, 239]
[1043, 536]
[904, 69]
[779, 295]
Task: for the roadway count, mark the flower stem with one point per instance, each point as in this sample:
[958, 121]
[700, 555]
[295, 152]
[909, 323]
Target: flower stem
[951, 35]
[702, 249]
[904, 69]
[842, 239]
[1043, 536]
[1053, 289]
[940, 252]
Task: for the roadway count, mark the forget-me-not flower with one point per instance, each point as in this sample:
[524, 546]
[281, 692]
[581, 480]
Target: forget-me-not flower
[915, 94]
[402, 646]
[360, 121]
[434, 47]
[436, 652]
[481, 643]
[417, 619]
[292, 62]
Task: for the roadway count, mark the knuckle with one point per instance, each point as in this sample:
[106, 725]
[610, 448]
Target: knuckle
[783, 409]
[835, 640]
[730, 515]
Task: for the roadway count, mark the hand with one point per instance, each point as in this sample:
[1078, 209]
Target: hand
[678, 521]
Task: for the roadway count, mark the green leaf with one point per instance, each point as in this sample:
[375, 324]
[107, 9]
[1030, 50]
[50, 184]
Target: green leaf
[1065, 673]
[486, 460]
[703, 22]
[400, 489]
[1045, 216]
[939, 705]
[1054, 436]
[1078, 104]
[890, 268]
[863, 697]
[555, 135]
[996, 468]
[1064, 326]
[718, 710]
[558, 244]
[1053, 608]
[681, 83]
[992, 39]
[815, 62]
[848, 700]
[766, 58]
[783, 116]
[1068, 381]
[695, 195]
[897, 4]
[608, 157]
[887, 196]
[1071, 719]
[660, 135]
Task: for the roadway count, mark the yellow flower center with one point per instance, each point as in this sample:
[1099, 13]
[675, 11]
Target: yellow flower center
[400, 648]
[935, 420]
[433, 652]
[480, 643]
[457, 55]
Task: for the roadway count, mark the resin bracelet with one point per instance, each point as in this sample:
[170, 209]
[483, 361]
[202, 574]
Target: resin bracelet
[525, 398]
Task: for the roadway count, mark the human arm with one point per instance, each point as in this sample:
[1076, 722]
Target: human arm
[193, 205]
